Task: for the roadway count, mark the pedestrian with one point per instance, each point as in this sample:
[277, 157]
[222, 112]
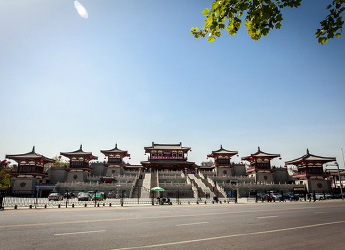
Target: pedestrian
[309, 197]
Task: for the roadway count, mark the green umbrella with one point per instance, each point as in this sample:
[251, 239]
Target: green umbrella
[157, 189]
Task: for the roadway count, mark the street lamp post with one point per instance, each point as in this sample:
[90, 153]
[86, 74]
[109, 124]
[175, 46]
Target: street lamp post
[122, 197]
[341, 184]
[37, 190]
[66, 197]
[178, 197]
[95, 198]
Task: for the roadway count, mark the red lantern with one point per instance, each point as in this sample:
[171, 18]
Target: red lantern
[105, 158]
[285, 166]
[211, 155]
[238, 155]
[59, 156]
[130, 158]
[90, 157]
[280, 158]
[241, 162]
[41, 160]
[251, 158]
[5, 161]
[302, 162]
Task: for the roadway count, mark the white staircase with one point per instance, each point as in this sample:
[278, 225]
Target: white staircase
[201, 185]
[145, 190]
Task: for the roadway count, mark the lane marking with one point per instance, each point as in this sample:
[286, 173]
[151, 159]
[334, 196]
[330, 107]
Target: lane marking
[264, 217]
[230, 236]
[197, 223]
[86, 232]
[319, 212]
[161, 217]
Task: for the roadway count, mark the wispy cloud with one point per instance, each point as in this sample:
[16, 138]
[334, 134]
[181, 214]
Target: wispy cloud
[81, 10]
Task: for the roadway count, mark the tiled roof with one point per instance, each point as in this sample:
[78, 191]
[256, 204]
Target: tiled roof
[30, 155]
[260, 154]
[168, 162]
[167, 147]
[222, 151]
[114, 150]
[79, 152]
[310, 158]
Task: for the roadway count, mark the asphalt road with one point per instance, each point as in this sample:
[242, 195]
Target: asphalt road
[290, 225]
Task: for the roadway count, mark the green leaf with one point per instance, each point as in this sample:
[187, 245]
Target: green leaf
[278, 25]
[205, 12]
[211, 39]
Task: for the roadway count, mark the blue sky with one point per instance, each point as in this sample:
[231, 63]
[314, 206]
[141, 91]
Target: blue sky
[132, 73]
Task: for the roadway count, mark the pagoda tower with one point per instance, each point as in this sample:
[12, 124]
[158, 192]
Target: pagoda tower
[79, 164]
[222, 162]
[167, 156]
[310, 172]
[30, 172]
[115, 162]
[260, 166]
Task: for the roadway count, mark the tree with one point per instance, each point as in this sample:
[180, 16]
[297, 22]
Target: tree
[5, 178]
[261, 16]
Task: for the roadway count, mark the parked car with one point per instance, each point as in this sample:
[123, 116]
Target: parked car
[290, 196]
[267, 197]
[319, 196]
[55, 197]
[276, 196]
[84, 196]
[111, 194]
[69, 195]
[99, 196]
[328, 196]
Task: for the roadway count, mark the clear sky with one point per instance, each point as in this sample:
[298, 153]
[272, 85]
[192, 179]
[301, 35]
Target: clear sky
[132, 73]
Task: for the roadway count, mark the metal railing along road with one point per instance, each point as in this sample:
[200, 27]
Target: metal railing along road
[18, 202]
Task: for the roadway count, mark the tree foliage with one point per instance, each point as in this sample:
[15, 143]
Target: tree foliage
[261, 16]
[5, 178]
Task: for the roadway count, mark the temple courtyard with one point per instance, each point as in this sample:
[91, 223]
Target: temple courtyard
[280, 225]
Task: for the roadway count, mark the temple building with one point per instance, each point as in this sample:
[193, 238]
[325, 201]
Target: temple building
[79, 164]
[310, 172]
[260, 166]
[222, 163]
[167, 167]
[115, 163]
[29, 173]
[167, 156]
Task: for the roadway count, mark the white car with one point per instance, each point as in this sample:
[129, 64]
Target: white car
[55, 197]
[84, 197]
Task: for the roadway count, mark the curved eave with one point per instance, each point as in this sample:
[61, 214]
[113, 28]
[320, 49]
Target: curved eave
[263, 155]
[112, 151]
[223, 152]
[29, 156]
[73, 154]
[167, 162]
[148, 149]
[299, 161]
[310, 158]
